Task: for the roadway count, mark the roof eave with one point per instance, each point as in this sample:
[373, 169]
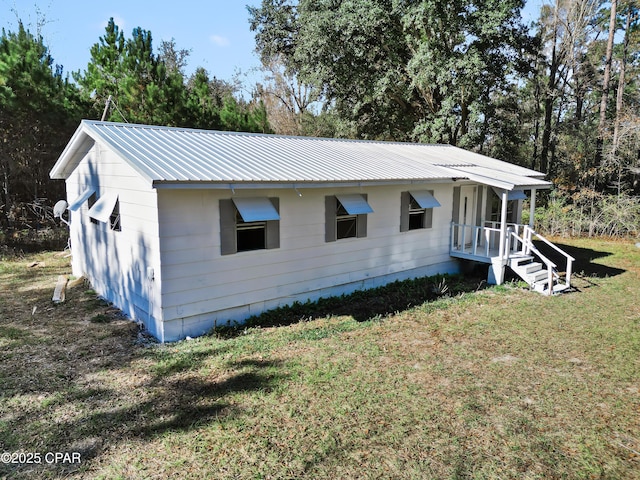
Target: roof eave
[76, 148]
[240, 185]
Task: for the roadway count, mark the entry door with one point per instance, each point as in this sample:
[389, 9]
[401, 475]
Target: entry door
[467, 214]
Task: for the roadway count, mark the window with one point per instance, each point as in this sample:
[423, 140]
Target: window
[249, 224]
[93, 198]
[346, 216]
[346, 224]
[417, 209]
[114, 218]
[250, 235]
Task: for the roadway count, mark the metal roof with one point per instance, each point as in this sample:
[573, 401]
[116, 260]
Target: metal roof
[170, 155]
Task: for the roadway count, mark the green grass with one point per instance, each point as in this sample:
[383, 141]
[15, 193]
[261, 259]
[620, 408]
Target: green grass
[498, 383]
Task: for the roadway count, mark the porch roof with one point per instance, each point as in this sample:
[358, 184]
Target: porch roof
[505, 180]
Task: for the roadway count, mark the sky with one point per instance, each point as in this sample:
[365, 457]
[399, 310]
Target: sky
[216, 31]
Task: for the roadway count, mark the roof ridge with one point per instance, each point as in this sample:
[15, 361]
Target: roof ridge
[258, 134]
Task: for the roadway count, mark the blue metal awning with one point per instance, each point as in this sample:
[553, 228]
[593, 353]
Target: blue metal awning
[256, 209]
[103, 208]
[425, 199]
[354, 204]
[77, 203]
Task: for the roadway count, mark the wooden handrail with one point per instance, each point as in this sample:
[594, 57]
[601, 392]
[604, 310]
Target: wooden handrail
[555, 247]
[537, 252]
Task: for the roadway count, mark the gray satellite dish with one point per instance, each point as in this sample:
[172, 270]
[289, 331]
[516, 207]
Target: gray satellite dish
[58, 210]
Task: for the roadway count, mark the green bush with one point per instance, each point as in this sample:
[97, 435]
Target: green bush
[589, 213]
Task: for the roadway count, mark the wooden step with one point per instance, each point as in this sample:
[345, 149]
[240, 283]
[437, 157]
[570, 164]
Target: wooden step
[530, 268]
[539, 276]
[517, 261]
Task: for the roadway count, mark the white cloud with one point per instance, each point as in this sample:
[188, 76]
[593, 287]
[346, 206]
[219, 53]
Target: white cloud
[220, 41]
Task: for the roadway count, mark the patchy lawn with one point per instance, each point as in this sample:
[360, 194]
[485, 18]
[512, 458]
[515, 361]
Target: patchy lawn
[498, 383]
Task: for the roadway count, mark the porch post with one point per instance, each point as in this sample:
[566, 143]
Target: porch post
[503, 223]
[532, 208]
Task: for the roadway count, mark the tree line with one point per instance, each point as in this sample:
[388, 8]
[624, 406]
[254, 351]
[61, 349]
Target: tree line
[561, 95]
[125, 81]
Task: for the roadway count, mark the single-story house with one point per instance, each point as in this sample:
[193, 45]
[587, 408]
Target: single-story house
[186, 229]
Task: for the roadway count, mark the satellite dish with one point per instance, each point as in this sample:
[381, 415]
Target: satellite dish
[59, 208]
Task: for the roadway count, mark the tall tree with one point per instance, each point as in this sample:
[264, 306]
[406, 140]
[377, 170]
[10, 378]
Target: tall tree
[607, 64]
[104, 73]
[142, 88]
[288, 100]
[39, 109]
[632, 13]
[424, 70]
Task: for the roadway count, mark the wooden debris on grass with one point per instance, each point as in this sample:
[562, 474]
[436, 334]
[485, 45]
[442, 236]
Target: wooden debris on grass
[76, 282]
[61, 286]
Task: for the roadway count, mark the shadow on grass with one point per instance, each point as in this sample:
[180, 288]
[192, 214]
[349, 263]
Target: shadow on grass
[584, 260]
[173, 400]
[180, 404]
[68, 384]
[363, 305]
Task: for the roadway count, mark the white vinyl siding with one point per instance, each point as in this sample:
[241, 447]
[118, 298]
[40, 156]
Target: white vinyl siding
[198, 281]
[116, 262]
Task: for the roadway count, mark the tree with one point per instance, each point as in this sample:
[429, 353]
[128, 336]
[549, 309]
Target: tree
[288, 100]
[39, 111]
[142, 87]
[104, 73]
[174, 59]
[151, 88]
[393, 69]
[204, 101]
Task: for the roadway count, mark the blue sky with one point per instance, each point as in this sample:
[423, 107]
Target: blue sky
[216, 31]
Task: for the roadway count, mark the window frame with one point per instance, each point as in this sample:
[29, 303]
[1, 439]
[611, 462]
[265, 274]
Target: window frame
[409, 207]
[231, 222]
[334, 215]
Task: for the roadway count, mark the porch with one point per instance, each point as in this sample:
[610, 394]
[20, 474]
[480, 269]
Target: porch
[502, 244]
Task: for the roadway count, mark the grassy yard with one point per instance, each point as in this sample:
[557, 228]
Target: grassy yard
[498, 383]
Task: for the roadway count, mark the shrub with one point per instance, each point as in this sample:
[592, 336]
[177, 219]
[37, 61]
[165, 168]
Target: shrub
[589, 213]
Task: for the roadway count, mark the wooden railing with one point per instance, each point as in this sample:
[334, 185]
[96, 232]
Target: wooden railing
[524, 245]
[484, 241]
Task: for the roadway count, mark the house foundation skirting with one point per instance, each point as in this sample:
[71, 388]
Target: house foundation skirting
[196, 325]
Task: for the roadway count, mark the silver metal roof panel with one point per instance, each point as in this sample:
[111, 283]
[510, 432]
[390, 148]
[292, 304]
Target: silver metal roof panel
[180, 155]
